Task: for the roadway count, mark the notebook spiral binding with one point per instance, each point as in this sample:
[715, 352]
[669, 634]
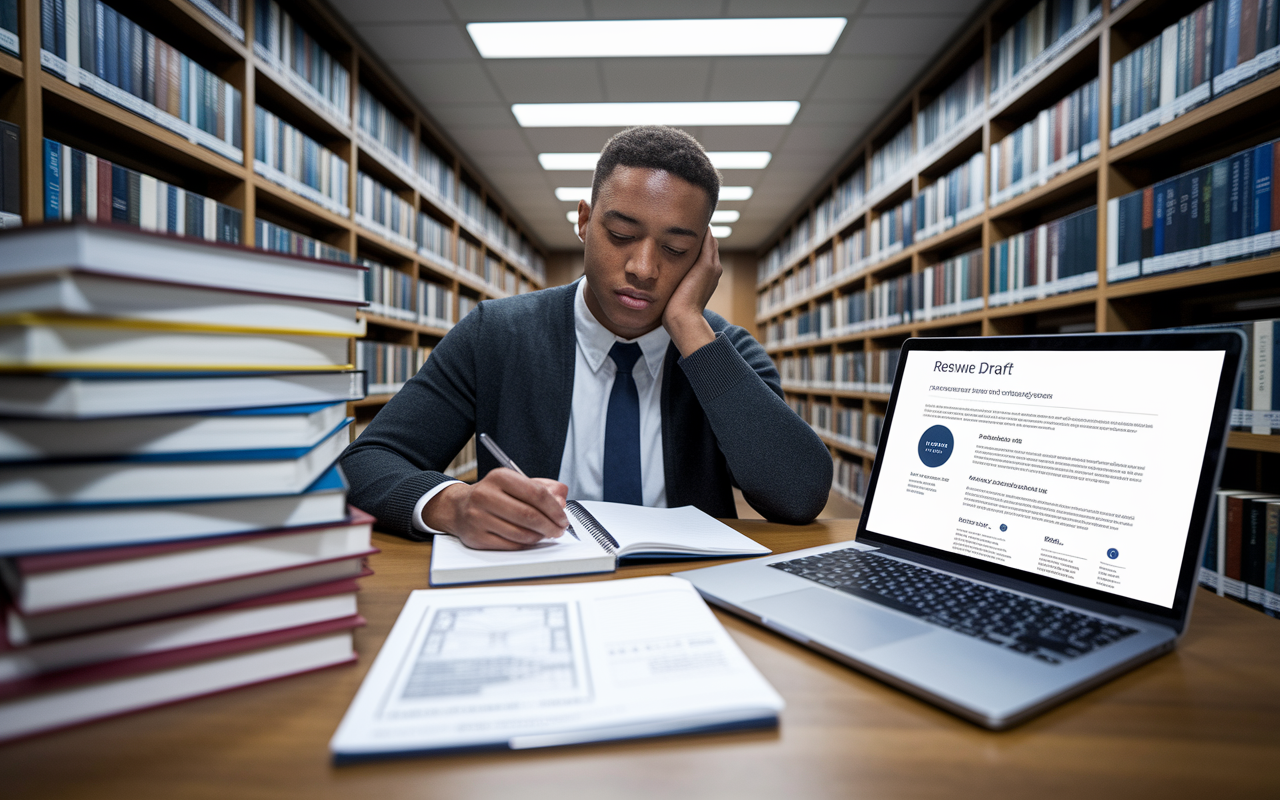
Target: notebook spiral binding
[593, 526]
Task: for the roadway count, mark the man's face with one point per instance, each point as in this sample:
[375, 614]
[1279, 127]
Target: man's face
[641, 238]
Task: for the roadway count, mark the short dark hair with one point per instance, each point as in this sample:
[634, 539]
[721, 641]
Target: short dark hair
[658, 147]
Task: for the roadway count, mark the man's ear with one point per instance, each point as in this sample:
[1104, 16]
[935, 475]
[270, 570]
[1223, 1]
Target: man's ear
[584, 216]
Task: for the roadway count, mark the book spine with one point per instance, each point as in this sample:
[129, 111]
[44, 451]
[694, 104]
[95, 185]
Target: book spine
[1234, 531]
[52, 180]
[1271, 551]
[10, 189]
[1261, 373]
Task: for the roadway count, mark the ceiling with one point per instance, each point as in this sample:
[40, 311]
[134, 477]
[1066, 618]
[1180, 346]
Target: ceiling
[885, 45]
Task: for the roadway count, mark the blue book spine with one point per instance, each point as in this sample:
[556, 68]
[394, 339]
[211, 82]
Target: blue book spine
[1231, 47]
[1219, 35]
[52, 180]
[99, 44]
[119, 193]
[185, 67]
[111, 67]
[125, 51]
[60, 28]
[171, 222]
[1262, 189]
[47, 13]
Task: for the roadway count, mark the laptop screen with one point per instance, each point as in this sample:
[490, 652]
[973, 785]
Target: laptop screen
[1075, 465]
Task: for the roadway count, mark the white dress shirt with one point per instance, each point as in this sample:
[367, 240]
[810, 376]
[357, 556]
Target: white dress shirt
[582, 464]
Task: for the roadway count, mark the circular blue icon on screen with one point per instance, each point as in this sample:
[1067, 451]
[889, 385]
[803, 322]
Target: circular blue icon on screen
[1003, 527]
[1113, 553]
[936, 446]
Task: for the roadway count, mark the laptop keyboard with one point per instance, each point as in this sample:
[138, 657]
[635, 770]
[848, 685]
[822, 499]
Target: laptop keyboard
[1040, 630]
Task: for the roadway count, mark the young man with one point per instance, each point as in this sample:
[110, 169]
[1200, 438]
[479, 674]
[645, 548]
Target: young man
[621, 386]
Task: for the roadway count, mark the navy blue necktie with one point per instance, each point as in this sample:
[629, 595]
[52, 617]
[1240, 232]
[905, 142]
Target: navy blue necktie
[622, 431]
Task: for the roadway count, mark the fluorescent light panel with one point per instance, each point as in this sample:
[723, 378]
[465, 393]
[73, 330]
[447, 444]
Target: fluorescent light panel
[794, 36]
[729, 159]
[621, 115]
[572, 194]
[721, 231]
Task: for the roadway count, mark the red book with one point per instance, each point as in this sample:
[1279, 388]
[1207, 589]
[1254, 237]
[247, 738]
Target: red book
[104, 190]
[1248, 30]
[1197, 61]
[1235, 523]
[120, 687]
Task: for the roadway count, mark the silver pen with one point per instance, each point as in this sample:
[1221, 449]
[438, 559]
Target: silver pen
[505, 460]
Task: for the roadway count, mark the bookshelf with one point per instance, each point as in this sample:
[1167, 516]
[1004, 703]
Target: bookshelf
[319, 101]
[801, 289]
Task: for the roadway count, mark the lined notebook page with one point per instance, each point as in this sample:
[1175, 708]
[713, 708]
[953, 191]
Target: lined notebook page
[681, 530]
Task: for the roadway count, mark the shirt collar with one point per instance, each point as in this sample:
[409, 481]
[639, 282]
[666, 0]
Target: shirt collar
[596, 340]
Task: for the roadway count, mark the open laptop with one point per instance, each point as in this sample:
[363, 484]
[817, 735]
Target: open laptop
[1032, 527]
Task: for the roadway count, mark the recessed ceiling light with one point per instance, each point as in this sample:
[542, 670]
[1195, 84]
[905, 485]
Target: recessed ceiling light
[756, 159]
[793, 36]
[572, 194]
[621, 115]
[724, 216]
[721, 231]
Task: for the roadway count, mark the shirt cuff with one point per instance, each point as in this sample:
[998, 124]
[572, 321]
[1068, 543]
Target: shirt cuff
[418, 524]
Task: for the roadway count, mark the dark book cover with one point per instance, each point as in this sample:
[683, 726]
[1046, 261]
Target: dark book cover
[195, 216]
[135, 198]
[1275, 170]
[60, 28]
[1246, 194]
[1148, 221]
[1253, 540]
[1235, 191]
[171, 223]
[9, 15]
[1234, 532]
[119, 193]
[11, 191]
[136, 44]
[1219, 35]
[1187, 233]
[88, 33]
[124, 54]
[1210, 560]
[1219, 201]
[1268, 23]
[78, 186]
[111, 42]
[100, 41]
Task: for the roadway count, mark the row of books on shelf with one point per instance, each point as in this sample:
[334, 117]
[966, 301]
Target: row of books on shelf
[952, 199]
[279, 239]
[1257, 405]
[849, 480]
[1057, 139]
[891, 159]
[389, 366]
[385, 212]
[1036, 39]
[9, 40]
[10, 176]
[853, 371]
[1053, 258]
[952, 287]
[392, 293]
[171, 520]
[951, 111]
[1240, 556]
[91, 45]
[224, 12]
[286, 156]
[1220, 46]
[1224, 211]
[79, 185]
[845, 203]
[850, 427]
[313, 72]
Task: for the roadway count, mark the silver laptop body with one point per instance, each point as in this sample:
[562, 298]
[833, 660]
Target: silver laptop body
[1058, 485]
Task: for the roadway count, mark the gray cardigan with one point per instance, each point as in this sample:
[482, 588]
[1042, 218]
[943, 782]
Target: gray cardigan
[507, 370]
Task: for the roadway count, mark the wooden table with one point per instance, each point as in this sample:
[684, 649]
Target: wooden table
[1201, 722]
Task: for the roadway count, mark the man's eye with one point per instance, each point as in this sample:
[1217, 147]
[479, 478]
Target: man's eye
[673, 251]
[622, 237]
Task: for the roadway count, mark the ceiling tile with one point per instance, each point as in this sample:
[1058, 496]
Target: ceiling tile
[821, 138]
[807, 160]
[472, 115]
[746, 137]
[358, 11]
[414, 42]
[639, 80]
[448, 82]
[568, 140]
[492, 140]
[656, 9]
[848, 112]
[776, 78]
[961, 8]
[794, 8]
[518, 10]
[898, 36]
[854, 78]
[559, 80]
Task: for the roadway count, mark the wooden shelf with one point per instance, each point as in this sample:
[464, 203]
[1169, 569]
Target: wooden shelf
[371, 400]
[1256, 442]
[1073, 181]
[299, 205]
[1195, 276]
[1081, 297]
[9, 65]
[280, 92]
[402, 324]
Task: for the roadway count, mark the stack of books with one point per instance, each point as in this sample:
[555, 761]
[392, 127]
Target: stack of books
[171, 520]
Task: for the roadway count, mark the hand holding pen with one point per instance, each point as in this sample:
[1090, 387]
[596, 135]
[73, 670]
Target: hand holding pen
[505, 510]
[505, 460]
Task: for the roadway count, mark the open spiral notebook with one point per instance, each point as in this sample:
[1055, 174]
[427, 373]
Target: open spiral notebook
[608, 532]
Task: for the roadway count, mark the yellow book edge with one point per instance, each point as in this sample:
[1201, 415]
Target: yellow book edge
[31, 319]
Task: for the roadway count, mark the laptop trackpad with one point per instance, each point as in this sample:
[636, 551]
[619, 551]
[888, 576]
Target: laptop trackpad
[850, 624]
